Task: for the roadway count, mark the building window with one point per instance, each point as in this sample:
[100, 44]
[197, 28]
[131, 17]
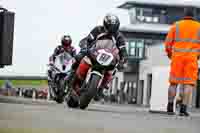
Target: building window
[145, 15]
[132, 15]
[132, 47]
[197, 14]
[157, 15]
[136, 48]
[150, 15]
[174, 14]
[140, 47]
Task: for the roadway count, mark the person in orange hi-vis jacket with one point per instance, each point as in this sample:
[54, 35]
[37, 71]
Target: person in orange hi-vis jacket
[182, 46]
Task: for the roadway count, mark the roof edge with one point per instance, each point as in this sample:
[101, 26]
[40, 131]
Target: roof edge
[146, 28]
[129, 4]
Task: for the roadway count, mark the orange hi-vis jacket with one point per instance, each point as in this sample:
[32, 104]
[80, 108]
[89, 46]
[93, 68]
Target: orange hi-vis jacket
[182, 45]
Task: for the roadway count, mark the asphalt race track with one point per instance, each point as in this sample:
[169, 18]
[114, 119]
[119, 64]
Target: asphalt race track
[54, 118]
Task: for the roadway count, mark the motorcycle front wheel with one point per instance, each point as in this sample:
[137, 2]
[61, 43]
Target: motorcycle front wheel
[61, 91]
[91, 91]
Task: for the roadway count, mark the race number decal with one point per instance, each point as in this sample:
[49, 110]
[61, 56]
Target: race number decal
[104, 58]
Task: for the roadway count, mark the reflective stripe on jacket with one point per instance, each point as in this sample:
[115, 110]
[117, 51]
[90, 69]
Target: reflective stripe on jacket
[183, 38]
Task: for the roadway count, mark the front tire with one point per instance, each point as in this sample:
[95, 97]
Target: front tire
[61, 91]
[92, 89]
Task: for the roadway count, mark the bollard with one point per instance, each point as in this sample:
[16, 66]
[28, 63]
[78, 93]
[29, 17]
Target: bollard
[48, 95]
[20, 92]
[34, 95]
[122, 89]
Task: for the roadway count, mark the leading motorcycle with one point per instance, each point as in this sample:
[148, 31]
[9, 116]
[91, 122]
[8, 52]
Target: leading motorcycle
[103, 57]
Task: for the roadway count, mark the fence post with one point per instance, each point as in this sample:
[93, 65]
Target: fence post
[48, 95]
[20, 92]
[122, 87]
[34, 94]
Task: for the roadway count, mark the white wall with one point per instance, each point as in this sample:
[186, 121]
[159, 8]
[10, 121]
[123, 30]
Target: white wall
[120, 77]
[156, 56]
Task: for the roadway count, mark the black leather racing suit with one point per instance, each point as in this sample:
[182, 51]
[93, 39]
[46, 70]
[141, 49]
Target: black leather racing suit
[87, 42]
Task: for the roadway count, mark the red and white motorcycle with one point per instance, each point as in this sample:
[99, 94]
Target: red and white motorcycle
[102, 59]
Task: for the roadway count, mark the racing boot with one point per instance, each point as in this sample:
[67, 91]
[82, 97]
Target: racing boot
[170, 108]
[183, 110]
[73, 98]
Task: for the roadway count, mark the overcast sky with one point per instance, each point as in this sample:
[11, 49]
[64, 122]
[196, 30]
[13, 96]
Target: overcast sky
[39, 25]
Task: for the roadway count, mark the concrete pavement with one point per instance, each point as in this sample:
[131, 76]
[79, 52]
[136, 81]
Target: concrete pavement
[21, 100]
[51, 118]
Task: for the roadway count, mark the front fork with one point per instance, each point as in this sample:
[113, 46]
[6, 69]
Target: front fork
[90, 72]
